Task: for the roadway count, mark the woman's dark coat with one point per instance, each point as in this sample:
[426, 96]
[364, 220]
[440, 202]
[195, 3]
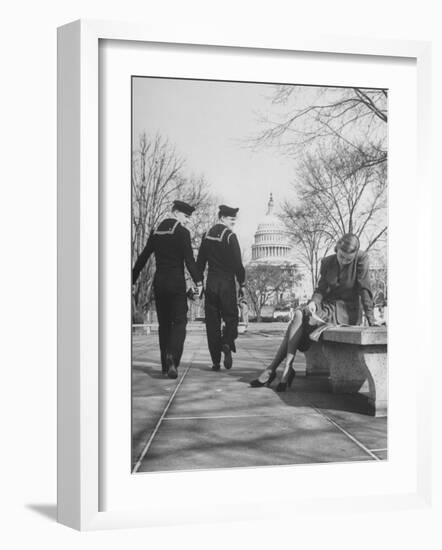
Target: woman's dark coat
[342, 289]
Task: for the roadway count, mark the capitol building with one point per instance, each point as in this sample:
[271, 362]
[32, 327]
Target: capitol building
[272, 240]
[273, 246]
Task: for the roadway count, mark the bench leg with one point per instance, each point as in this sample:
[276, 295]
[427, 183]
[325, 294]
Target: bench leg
[316, 361]
[375, 359]
[355, 369]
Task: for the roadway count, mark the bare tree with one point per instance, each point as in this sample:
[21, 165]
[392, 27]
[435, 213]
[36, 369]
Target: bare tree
[156, 179]
[196, 192]
[266, 281]
[379, 277]
[354, 116]
[310, 233]
[347, 195]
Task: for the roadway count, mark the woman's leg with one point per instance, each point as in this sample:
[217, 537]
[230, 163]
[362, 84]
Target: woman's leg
[294, 335]
[287, 346]
[276, 361]
[281, 353]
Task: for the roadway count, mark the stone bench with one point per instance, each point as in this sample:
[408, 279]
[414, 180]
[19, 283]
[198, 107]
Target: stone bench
[316, 362]
[357, 360]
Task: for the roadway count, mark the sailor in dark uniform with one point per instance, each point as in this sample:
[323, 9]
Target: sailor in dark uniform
[221, 252]
[170, 242]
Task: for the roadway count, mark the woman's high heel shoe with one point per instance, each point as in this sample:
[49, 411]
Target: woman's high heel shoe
[291, 377]
[282, 386]
[256, 383]
[271, 378]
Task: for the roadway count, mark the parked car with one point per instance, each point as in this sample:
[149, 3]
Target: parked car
[267, 313]
[282, 314]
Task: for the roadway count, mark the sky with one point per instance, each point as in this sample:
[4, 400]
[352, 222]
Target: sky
[207, 122]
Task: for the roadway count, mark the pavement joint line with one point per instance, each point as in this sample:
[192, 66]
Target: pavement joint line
[160, 420]
[216, 417]
[348, 434]
[377, 450]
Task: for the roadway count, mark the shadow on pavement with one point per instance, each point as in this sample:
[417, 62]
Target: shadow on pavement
[153, 371]
[305, 391]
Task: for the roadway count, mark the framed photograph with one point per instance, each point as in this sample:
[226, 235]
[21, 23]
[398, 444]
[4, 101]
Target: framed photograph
[235, 258]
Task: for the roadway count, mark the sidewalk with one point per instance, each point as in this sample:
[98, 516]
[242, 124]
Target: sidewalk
[207, 419]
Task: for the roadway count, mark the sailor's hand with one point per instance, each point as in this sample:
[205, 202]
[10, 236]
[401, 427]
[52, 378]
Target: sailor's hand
[199, 290]
[241, 291]
[311, 307]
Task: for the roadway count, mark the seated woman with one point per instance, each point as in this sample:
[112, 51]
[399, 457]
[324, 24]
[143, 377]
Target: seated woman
[343, 282]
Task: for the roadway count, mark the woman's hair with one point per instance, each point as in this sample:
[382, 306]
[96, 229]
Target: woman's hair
[348, 243]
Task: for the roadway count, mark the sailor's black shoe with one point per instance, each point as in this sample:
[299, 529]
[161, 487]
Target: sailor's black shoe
[228, 361]
[171, 368]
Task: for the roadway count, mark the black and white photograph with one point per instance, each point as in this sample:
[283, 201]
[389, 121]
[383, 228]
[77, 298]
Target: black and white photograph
[259, 274]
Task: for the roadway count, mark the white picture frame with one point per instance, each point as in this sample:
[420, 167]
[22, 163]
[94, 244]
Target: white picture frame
[79, 475]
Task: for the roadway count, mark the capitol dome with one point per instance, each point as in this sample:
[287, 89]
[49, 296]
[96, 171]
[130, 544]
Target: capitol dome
[272, 243]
